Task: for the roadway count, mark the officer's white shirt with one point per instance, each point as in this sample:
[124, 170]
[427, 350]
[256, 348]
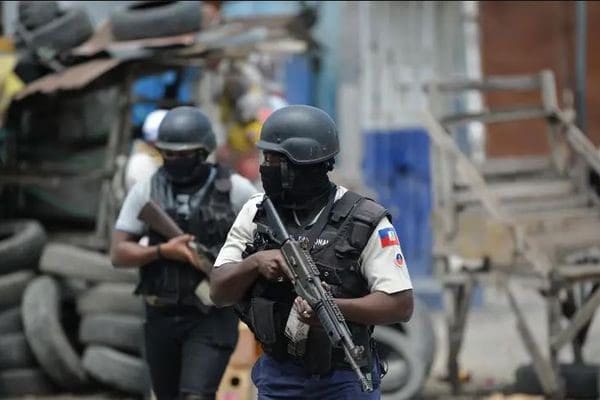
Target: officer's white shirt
[381, 262]
[241, 190]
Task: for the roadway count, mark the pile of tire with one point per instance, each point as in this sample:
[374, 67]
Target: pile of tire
[44, 31]
[151, 19]
[408, 351]
[44, 24]
[68, 320]
[21, 244]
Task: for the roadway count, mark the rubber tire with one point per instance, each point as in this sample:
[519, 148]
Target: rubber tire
[415, 366]
[74, 262]
[123, 332]
[115, 369]
[46, 336]
[581, 380]
[12, 287]
[33, 14]
[111, 298]
[21, 245]
[149, 20]
[65, 32]
[10, 321]
[24, 382]
[72, 288]
[15, 352]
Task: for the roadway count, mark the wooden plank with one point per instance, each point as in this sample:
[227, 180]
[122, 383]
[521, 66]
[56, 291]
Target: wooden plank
[530, 250]
[586, 232]
[492, 83]
[581, 143]
[542, 367]
[496, 116]
[533, 189]
[572, 202]
[458, 302]
[512, 165]
[583, 315]
[568, 204]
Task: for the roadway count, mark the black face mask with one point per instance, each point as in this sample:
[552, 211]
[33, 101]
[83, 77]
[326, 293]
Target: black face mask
[186, 170]
[305, 188]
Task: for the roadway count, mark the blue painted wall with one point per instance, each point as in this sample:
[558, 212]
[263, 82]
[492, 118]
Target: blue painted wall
[396, 162]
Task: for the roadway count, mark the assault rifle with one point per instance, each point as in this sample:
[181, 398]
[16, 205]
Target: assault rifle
[160, 222]
[305, 276]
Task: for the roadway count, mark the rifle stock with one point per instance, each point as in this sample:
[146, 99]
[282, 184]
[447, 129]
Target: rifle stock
[161, 222]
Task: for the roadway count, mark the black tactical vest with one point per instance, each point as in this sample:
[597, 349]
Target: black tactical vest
[204, 212]
[336, 253]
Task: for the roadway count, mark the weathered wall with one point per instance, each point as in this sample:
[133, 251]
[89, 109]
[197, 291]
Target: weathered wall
[525, 37]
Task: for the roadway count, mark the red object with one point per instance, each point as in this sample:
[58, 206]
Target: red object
[388, 237]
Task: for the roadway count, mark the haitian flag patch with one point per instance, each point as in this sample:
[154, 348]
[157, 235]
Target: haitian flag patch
[388, 237]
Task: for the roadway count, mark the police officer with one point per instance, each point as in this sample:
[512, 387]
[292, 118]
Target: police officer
[187, 342]
[352, 242]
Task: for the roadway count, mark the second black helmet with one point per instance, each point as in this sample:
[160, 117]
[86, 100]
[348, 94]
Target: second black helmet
[186, 128]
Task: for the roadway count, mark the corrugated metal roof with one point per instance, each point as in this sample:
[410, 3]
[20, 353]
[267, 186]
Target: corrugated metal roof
[72, 78]
[102, 40]
[234, 38]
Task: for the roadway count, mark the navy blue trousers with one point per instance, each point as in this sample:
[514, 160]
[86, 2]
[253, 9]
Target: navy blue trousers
[288, 380]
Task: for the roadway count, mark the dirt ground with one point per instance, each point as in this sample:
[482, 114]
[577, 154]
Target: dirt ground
[492, 348]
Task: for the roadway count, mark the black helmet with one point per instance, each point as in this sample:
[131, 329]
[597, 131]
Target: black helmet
[186, 128]
[304, 134]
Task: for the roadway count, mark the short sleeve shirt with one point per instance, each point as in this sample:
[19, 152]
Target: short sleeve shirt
[381, 262]
[241, 190]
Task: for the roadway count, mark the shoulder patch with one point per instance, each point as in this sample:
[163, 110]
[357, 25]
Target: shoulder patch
[388, 237]
[399, 260]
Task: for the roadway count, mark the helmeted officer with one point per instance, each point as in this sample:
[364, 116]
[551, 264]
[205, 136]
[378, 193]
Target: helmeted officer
[353, 244]
[187, 342]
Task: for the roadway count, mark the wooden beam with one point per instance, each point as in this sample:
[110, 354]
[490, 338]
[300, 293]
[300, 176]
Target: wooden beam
[530, 249]
[512, 165]
[577, 322]
[579, 272]
[524, 188]
[543, 369]
[496, 116]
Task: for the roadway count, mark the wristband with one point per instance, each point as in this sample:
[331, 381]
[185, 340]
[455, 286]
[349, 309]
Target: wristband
[158, 253]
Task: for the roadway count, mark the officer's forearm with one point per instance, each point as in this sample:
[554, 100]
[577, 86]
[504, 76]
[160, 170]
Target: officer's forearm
[230, 282]
[378, 308]
[125, 252]
[132, 255]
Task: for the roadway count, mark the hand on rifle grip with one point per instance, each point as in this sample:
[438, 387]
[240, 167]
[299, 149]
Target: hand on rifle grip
[179, 249]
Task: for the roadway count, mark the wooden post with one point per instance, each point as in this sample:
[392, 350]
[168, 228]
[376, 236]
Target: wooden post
[119, 137]
[458, 300]
[561, 337]
[543, 368]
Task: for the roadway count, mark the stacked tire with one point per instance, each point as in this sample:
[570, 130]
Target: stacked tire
[44, 32]
[110, 329]
[69, 321]
[21, 244]
[42, 24]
